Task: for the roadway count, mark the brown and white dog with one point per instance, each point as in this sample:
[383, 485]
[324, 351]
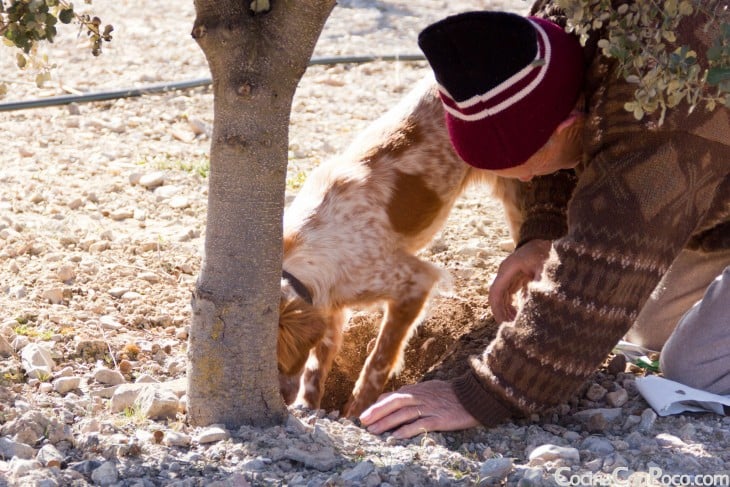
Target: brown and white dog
[350, 238]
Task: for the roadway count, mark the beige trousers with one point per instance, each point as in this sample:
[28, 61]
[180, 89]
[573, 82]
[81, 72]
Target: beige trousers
[688, 319]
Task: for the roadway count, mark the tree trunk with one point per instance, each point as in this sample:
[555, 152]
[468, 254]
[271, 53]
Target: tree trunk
[256, 60]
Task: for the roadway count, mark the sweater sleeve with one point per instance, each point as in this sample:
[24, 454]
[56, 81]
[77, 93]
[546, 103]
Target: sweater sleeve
[644, 191]
[544, 202]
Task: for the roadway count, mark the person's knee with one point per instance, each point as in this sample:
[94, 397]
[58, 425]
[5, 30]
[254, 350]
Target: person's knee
[688, 363]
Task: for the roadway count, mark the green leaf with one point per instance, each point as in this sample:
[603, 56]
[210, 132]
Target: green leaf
[717, 75]
[66, 15]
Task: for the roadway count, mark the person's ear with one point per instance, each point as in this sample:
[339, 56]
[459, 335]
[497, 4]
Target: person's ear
[576, 120]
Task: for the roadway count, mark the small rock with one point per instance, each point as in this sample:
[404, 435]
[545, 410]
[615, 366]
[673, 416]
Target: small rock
[617, 398]
[507, 245]
[15, 449]
[179, 202]
[134, 178]
[49, 456]
[130, 296]
[66, 273]
[157, 403]
[165, 192]
[6, 350]
[106, 474]
[595, 392]
[212, 434]
[358, 472]
[152, 180]
[598, 445]
[150, 277]
[109, 323]
[75, 203]
[549, 453]
[324, 459]
[648, 418]
[99, 246]
[53, 295]
[182, 135]
[609, 414]
[495, 469]
[18, 292]
[36, 360]
[688, 432]
[668, 441]
[107, 376]
[125, 395]
[175, 438]
[596, 423]
[295, 425]
[122, 214]
[63, 385]
[22, 467]
[118, 292]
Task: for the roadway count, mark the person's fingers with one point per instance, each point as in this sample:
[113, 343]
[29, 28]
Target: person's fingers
[409, 430]
[393, 420]
[384, 406]
[501, 292]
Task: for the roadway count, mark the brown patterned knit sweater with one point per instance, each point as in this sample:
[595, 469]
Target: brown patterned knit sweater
[645, 193]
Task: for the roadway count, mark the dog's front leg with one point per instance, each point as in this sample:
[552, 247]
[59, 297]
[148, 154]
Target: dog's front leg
[398, 323]
[321, 357]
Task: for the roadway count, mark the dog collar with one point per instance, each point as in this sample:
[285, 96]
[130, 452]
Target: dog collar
[300, 288]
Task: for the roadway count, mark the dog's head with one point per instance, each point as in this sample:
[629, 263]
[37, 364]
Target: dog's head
[301, 327]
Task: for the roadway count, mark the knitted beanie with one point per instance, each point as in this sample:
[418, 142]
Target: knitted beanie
[506, 82]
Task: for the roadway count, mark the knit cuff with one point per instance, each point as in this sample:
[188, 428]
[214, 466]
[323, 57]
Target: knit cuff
[546, 227]
[479, 402]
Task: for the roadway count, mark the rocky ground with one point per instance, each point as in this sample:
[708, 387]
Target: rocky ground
[102, 215]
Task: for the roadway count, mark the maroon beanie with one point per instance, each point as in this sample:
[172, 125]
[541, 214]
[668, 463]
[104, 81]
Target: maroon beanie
[506, 82]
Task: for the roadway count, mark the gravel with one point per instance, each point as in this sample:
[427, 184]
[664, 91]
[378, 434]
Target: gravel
[102, 217]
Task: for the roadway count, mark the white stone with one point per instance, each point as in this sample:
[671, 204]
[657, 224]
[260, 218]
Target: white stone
[549, 453]
[157, 403]
[36, 360]
[496, 468]
[63, 385]
[212, 434]
[105, 475]
[179, 202]
[49, 456]
[125, 395]
[152, 180]
[118, 291]
[107, 376]
[175, 438]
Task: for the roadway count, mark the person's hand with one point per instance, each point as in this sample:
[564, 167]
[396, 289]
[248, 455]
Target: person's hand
[418, 408]
[515, 273]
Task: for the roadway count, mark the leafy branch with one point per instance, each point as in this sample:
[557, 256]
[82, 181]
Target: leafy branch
[24, 23]
[642, 35]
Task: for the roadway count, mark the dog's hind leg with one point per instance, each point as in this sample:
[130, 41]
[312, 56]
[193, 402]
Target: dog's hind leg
[411, 289]
[320, 361]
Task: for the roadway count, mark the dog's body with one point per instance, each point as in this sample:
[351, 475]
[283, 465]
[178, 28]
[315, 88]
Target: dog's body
[350, 239]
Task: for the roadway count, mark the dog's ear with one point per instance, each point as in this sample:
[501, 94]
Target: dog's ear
[301, 327]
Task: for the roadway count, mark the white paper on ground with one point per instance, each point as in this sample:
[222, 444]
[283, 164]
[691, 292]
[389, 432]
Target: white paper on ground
[668, 397]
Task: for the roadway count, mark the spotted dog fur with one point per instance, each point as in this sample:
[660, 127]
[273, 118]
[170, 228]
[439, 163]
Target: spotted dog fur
[351, 235]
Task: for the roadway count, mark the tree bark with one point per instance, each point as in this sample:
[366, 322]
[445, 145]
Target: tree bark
[256, 60]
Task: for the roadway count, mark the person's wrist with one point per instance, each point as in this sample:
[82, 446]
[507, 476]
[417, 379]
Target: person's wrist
[479, 402]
